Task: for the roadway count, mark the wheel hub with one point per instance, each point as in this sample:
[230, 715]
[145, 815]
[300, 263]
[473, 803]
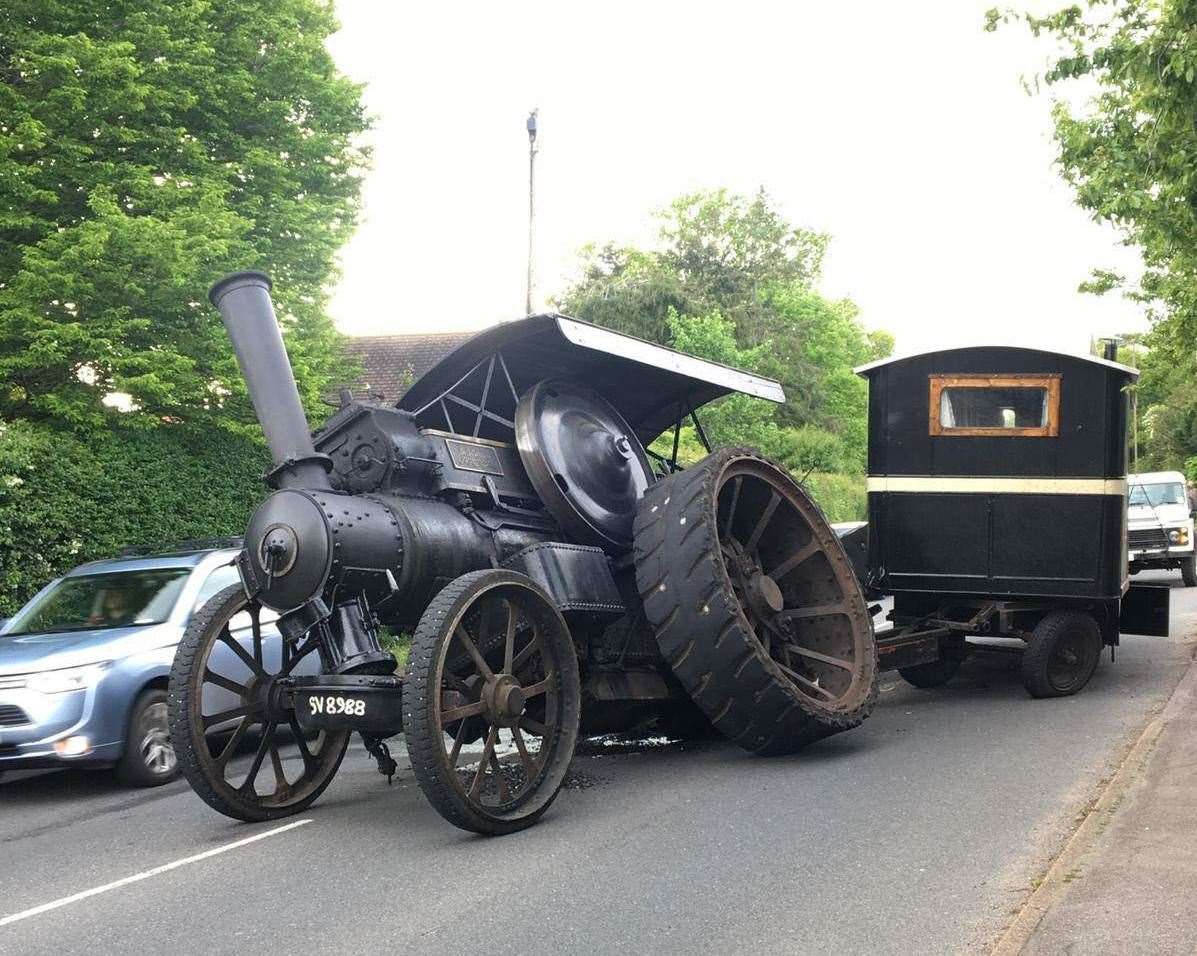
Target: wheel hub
[764, 592]
[505, 699]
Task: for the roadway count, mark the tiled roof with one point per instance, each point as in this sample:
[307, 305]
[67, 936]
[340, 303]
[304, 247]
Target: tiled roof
[390, 363]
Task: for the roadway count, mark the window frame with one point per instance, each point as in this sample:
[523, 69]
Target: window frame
[1046, 380]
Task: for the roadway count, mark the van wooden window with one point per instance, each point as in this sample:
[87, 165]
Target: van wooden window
[1011, 406]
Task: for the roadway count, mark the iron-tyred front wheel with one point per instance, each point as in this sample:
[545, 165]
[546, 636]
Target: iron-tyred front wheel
[239, 746]
[754, 603]
[491, 702]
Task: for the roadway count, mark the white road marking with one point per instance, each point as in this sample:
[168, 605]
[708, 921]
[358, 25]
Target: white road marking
[146, 874]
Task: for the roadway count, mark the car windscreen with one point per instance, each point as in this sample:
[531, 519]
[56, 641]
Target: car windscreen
[96, 601]
[1171, 493]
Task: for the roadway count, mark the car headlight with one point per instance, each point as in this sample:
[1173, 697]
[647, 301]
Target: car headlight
[67, 679]
[1178, 536]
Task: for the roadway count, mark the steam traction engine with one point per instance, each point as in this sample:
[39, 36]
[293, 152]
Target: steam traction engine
[553, 573]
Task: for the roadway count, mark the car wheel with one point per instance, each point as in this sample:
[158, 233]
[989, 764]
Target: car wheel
[1188, 570]
[149, 759]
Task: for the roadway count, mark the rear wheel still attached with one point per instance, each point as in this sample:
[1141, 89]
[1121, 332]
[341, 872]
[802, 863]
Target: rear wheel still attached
[754, 604]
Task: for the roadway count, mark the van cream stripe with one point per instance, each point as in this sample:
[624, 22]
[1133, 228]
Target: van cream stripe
[1021, 486]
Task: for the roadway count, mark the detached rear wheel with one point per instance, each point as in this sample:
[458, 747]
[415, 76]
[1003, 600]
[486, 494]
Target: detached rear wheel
[223, 707]
[1062, 654]
[491, 703]
[754, 603]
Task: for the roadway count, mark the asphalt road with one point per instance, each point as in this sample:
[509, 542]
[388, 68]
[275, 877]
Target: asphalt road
[920, 832]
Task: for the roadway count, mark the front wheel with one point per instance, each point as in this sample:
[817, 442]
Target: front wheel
[1062, 654]
[1188, 570]
[491, 703]
[222, 696]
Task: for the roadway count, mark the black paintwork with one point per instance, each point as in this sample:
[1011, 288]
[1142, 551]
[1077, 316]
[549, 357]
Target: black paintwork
[998, 544]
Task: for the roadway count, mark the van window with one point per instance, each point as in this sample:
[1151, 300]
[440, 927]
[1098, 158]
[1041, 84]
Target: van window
[1022, 406]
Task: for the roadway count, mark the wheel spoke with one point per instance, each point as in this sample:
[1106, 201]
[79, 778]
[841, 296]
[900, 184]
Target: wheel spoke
[255, 619]
[211, 677]
[763, 522]
[805, 681]
[240, 711]
[530, 765]
[528, 650]
[234, 742]
[479, 660]
[234, 645]
[535, 690]
[276, 762]
[824, 658]
[533, 725]
[302, 651]
[815, 610]
[509, 646]
[263, 749]
[803, 554]
[309, 758]
[460, 713]
[458, 741]
[487, 750]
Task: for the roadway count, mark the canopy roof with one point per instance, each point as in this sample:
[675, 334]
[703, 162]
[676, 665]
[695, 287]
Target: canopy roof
[651, 386]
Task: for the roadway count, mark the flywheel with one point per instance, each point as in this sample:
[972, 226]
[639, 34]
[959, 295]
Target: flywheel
[584, 460]
[754, 603]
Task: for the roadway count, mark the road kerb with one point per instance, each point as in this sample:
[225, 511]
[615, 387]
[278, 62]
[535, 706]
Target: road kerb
[1057, 878]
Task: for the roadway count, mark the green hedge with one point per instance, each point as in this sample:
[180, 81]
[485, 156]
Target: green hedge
[842, 497]
[65, 498]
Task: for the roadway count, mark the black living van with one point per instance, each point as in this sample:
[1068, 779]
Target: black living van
[997, 506]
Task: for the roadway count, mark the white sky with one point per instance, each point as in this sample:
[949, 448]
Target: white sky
[900, 129]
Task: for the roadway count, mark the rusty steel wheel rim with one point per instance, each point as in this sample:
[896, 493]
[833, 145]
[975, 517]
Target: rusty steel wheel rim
[802, 606]
[498, 675]
[296, 766]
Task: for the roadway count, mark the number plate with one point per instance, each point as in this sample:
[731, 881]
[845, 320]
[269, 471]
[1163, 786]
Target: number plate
[334, 705]
[371, 704]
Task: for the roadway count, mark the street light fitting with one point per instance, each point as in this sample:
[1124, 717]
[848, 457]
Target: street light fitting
[532, 126]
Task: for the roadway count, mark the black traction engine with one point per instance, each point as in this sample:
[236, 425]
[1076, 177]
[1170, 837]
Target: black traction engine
[554, 576]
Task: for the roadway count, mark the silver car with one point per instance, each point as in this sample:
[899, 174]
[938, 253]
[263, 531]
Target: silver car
[84, 664]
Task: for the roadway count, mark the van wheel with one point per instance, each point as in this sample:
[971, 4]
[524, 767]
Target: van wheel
[149, 759]
[1188, 570]
[1062, 654]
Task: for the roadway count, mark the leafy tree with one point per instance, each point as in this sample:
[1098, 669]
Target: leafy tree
[718, 251]
[145, 148]
[733, 281]
[626, 289]
[1130, 152]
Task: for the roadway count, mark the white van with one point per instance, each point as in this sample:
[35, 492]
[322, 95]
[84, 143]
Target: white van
[1160, 524]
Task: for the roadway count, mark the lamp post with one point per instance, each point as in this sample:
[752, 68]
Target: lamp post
[531, 201]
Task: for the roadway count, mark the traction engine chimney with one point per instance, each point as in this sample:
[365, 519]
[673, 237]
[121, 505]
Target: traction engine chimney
[243, 299]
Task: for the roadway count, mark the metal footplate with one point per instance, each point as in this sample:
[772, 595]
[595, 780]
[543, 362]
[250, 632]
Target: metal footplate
[367, 703]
